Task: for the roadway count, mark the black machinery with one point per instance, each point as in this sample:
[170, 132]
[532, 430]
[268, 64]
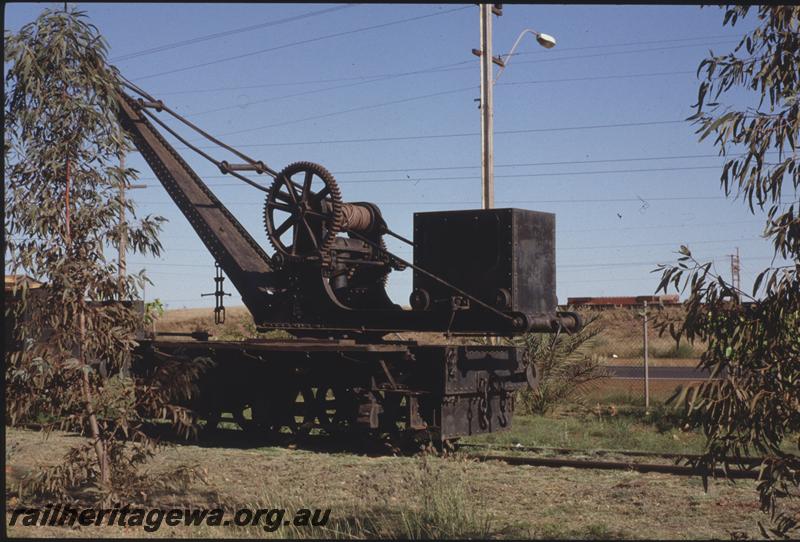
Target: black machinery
[475, 272]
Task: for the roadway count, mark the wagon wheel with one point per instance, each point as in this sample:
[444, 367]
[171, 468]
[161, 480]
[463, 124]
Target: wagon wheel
[212, 421]
[303, 212]
[259, 421]
[325, 403]
[301, 416]
[392, 409]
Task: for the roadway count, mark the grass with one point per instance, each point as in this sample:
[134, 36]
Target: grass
[626, 430]
[428, 496]
[593, 531]
[622, 336]
[444, 509]
[683, 350]
[629, 392]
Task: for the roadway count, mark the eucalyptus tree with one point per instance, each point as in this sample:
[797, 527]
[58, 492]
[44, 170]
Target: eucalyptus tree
[62, 147]
[748, 104]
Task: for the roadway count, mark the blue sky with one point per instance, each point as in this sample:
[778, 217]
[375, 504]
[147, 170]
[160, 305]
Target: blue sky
[591, 130]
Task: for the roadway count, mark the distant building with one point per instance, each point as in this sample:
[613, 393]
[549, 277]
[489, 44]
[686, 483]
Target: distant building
[624, 301]
[11, 298]
[18, 280]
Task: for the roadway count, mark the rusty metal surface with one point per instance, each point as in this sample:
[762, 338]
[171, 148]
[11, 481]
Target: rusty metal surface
[319, 281]
[494, 273]
[278, 346]
[239, 255]
[333, 386]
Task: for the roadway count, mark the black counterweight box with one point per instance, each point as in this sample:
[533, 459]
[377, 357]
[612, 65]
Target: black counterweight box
[504, 257]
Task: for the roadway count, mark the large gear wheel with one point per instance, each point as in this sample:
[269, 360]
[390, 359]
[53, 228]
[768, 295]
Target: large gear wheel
[303, 212]
[371, 274]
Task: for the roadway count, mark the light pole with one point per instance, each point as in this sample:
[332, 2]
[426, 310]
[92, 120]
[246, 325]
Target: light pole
[545, 40]
[123, 240]
[487, 115]
[486, 100]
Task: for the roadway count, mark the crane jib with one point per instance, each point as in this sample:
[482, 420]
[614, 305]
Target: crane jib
[238, 254]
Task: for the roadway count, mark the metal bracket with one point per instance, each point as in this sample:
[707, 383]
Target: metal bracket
[158, 105]
[219, 294]
[258, 166]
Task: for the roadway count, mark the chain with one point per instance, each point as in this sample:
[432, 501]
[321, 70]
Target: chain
[483, 403]
[503, 419]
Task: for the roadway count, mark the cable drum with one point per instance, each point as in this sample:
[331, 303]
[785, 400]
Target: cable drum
[361, 217]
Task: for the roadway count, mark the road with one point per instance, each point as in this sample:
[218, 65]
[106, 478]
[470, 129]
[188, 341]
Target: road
[620, 372]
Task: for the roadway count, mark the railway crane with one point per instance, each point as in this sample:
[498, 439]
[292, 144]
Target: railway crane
[475, 272]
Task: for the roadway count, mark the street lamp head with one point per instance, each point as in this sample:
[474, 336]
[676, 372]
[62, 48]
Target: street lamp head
[545, 40]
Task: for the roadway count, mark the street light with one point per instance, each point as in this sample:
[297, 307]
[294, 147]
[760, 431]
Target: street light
[545, 40]
[487, 85]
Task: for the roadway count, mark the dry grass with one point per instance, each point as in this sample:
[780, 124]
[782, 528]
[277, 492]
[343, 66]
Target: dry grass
[631, 391]
[237, 321]
[623, 336]
[397, 496]
[652, 362]
[239, 325]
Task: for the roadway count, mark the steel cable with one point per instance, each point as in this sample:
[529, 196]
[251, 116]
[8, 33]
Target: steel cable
[222, 165]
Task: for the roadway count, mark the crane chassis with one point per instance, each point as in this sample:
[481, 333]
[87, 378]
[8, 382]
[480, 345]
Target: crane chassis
[487, 272]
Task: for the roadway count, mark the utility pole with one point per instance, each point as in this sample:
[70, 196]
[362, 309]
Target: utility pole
[123, 234]
[487, 113]
[646, 362]
[487, 99]
[123, 246]
[123, 238]
[736, 280]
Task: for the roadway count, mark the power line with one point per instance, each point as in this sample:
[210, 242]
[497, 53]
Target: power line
[362, 78]
[641, 245]
[509, 165]
[526, 175]
[616, 53]
[444, 136]
[593, 78]
[532, 164]
[414, 181]
[560, 266]
[614, 264]
[352, 110]
[516, 201]
[300, 42]
[394, 102]
[207, 37]
[374, 79]
[714, 259]
[673, 40]
[463, 134]
[438, 136]
[650, 278]
[592, 247]
[666, 226]
[627, 228]
[378, 79]
[444, 68]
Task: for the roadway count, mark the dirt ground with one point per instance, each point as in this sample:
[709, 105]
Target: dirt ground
[528, 502]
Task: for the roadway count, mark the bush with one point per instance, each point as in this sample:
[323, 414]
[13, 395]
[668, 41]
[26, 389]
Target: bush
[564, 369]
[445, 510]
